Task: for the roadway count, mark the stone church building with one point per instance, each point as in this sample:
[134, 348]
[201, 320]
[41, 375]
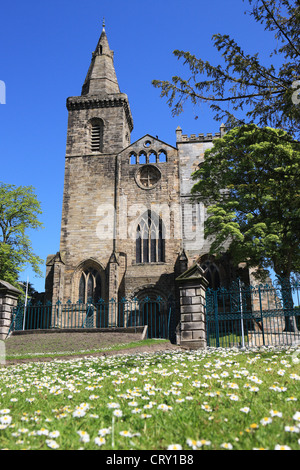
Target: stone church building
[128, 226]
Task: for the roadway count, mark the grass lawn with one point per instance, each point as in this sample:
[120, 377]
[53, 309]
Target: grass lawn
[212, 399]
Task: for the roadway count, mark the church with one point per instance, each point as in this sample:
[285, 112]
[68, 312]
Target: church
[128, 226]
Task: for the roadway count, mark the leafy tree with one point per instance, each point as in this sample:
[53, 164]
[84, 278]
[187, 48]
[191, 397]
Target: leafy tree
[19, 210]
[249, 182]
[268, 94]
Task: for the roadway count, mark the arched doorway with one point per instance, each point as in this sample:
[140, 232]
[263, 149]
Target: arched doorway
[152, 309]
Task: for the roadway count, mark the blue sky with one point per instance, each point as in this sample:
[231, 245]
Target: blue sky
[44, 57]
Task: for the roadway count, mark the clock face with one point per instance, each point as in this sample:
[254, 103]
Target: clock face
[148, 176]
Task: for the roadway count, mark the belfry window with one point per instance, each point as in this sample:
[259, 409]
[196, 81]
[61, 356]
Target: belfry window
[96, 135]
[90, 286]
[150, 243]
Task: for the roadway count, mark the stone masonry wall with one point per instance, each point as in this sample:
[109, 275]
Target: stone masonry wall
[163, 199]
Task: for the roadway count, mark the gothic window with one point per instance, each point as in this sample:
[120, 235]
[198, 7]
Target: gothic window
[150, 243]
[142, 158]
[96, 135]
[211, 273]
[152, 157]
[162, 156]
[132, 158]
[90, 286]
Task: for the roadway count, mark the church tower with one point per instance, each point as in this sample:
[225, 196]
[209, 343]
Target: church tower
[99, 127]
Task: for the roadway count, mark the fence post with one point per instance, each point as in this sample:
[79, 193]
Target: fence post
[216, 318]
[8, 300]
[192, 286]
[261, 316]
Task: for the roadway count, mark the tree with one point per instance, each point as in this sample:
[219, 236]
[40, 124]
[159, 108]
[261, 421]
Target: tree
[19, 210]
[249, 182]
[268, 94]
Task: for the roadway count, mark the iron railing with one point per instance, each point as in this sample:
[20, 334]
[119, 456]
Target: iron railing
[260, 315]
[157, 314]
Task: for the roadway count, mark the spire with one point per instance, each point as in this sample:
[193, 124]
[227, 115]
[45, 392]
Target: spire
[101, 77]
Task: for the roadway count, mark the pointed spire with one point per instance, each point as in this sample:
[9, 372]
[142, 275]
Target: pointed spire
[101, 77]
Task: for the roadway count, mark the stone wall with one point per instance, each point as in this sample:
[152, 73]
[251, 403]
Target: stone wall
[191, 151]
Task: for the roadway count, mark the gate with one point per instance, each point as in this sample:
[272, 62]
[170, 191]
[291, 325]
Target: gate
[262, 315]
[158, 314]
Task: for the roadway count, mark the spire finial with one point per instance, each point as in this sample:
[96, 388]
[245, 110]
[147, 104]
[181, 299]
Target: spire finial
[103, 24]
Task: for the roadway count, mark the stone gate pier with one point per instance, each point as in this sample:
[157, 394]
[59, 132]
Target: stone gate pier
[8, 300]
[192, 287]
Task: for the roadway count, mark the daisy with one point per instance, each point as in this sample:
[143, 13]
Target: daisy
[52, 444]
[266, 421]
[226, 445]
[113, 405]
[103, 432]
[42, 432]
[99, 441]
[233, 385]
[148, 406]
[206, 407]
[233, 397]
[84, 436]
[164, 407]
[76, 414]
[126, 434]
[296, 417]
[292, 429]
[282, 447]
[118, 413]
[6, 420]
[136, 410]
[145, 416]
[276, 413]
[174, 447]
[23, 430]
[203, 442]
[246, 409]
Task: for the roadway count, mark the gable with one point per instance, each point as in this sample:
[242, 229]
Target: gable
[148, 142]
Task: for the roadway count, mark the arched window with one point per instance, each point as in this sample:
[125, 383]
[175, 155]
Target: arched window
[150, 243]
[162, 156]
[152, 157]
[132, 158]
[211, 273]
[142, 158]
[90, 285]
[96, 135]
